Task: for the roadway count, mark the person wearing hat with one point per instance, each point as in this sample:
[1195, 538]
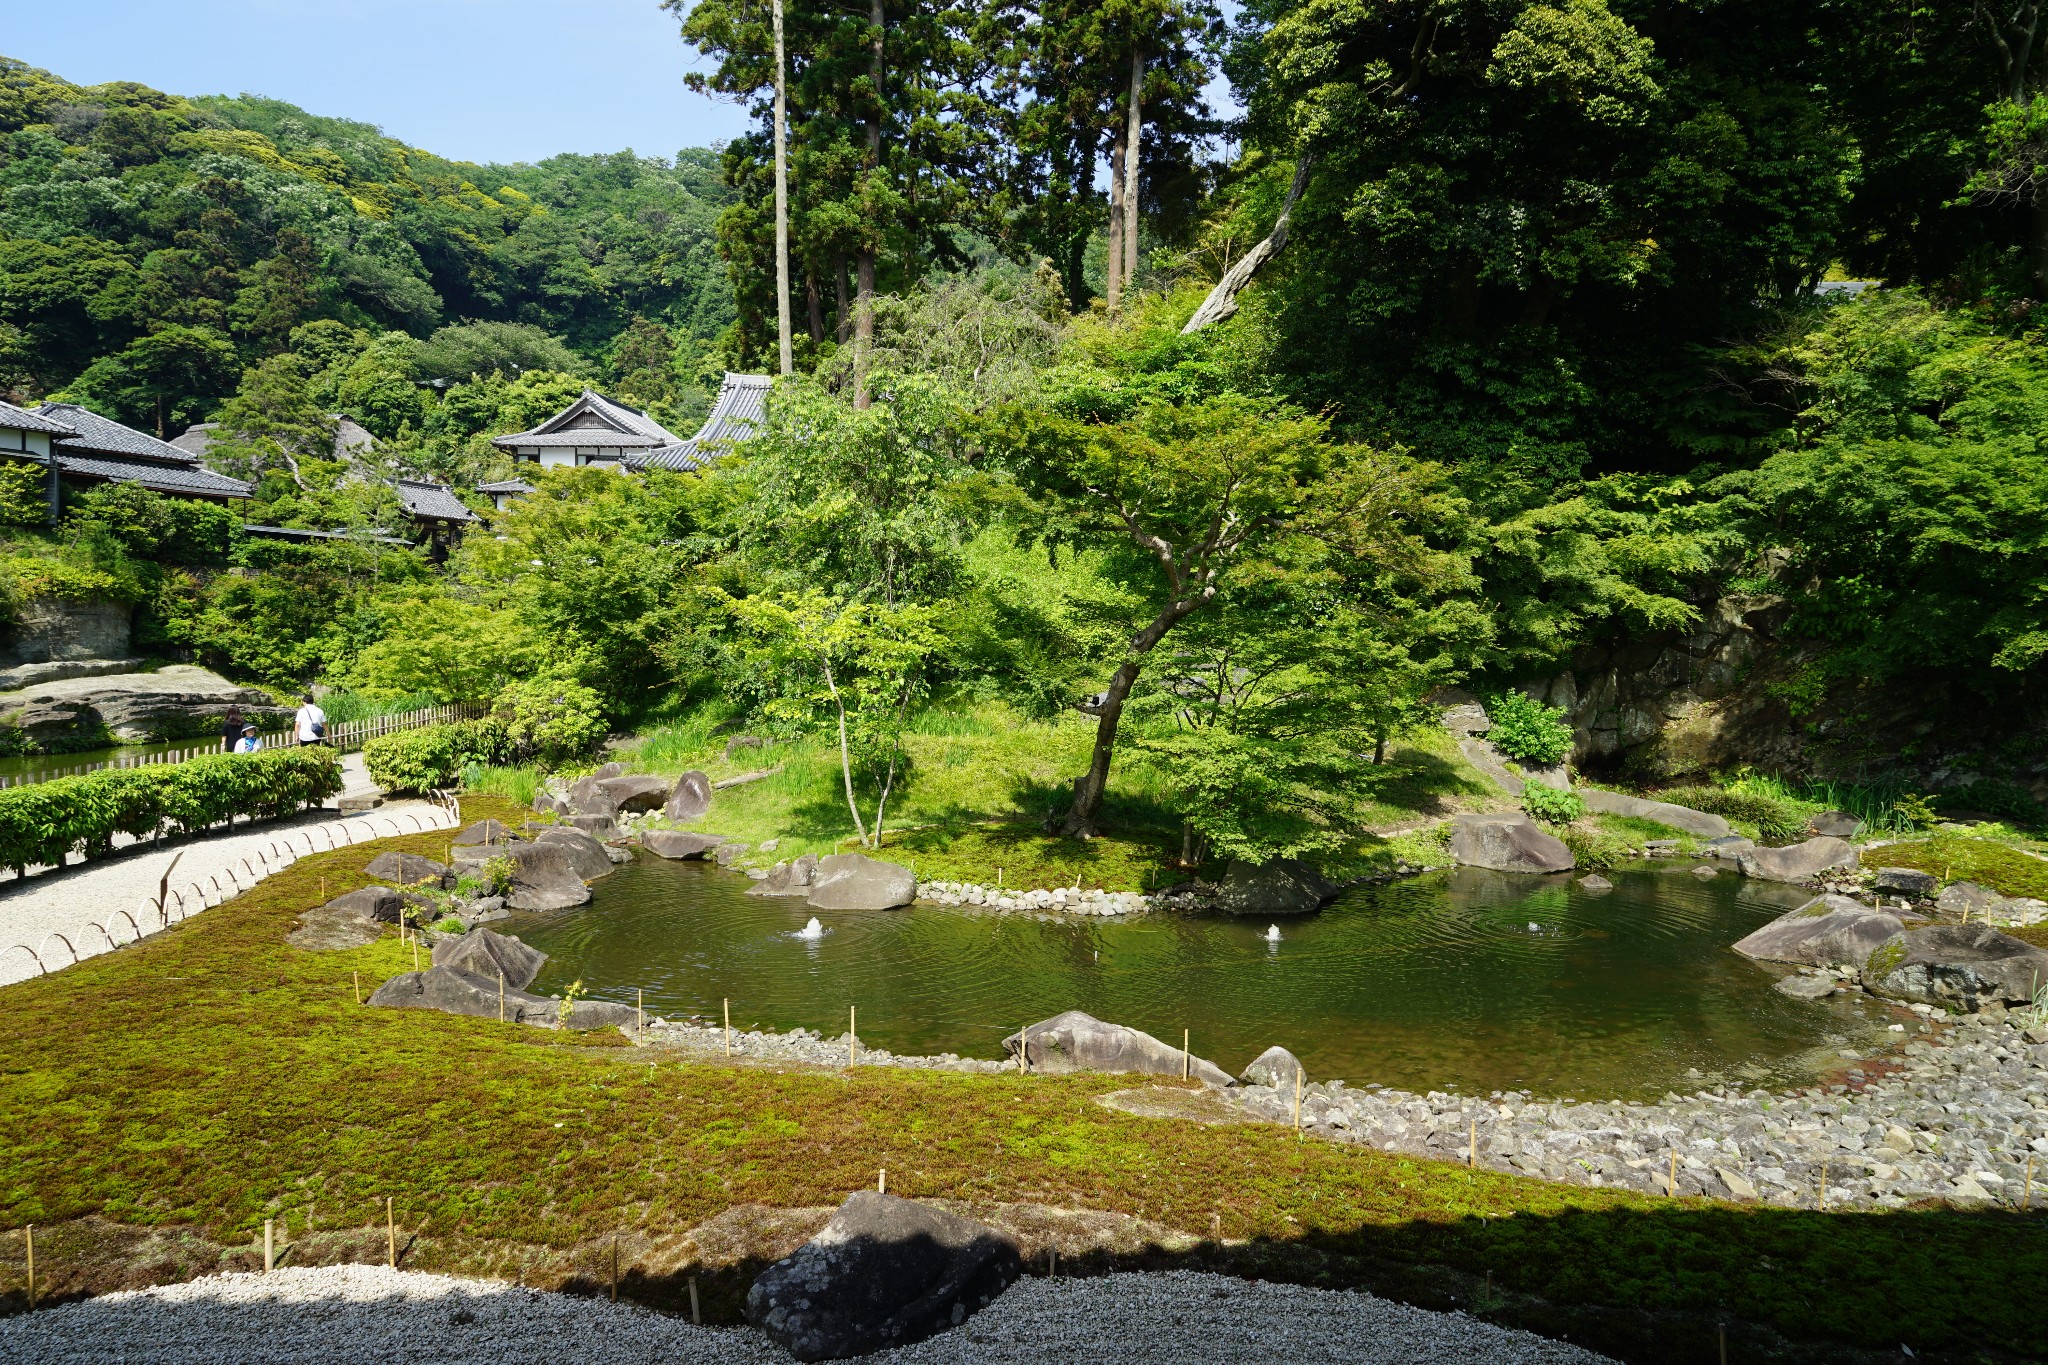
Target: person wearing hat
[248, 743]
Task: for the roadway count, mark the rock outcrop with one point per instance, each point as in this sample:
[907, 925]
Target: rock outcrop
[1797, 862]
[485, 954]
[175, 702]
[1905, 881]
[587, 857]
[451, 990]
[636, 793]
[678, 844]
[351, 920]
[689, 799]
[407, 869]
[791, 878]
[1075, 1041]
[1827, 931]
[1285, 886]
[1276, 1066]
[854, 881]
[1698, 823]
[885, 1272]
[1507, 843]
[1966, 965]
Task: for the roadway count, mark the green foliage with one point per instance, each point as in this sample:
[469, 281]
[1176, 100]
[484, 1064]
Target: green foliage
[1994, 796]
[433, 757]
[1550, 805]
[142, 524]
[443, 649]
[470, 350]
[1526, 730]
[1775, 817]
[1961, 858]
[550, 718]
[43, 822]
[24, 494]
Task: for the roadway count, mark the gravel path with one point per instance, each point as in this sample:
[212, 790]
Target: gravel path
[111, 891]
[371, 1314]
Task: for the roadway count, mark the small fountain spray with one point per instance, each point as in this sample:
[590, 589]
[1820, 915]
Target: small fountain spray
[813, 930]
[1272, 933]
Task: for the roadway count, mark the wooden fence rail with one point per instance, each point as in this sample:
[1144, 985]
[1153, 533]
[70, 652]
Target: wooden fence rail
[345, 737]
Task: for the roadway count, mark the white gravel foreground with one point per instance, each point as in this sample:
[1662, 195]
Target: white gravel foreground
[372, 1314]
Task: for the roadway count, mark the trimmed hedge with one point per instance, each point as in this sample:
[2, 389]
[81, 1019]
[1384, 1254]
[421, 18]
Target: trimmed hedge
[434, 756]
[44, 822]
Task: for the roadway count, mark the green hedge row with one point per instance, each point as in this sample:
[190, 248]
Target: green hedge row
[434, 756]
[44, 822]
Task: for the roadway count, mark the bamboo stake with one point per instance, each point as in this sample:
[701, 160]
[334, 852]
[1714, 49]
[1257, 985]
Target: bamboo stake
[415, 952]
[2027, 1191]
[728, 1057]
[357, 977]
[390, 1235]
[851, 1036]
[639, 1008]
[1185, 1062]
[615, 1268]
[1724, 1344]
[696, 1318]
[1472, 1144]
[1297, 1103]
[1674, 1172]
[882, 1181]
[269, 1254]
[501, 995]
[30, 1233]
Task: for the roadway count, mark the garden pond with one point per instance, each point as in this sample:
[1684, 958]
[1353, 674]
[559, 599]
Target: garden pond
[1461, 978]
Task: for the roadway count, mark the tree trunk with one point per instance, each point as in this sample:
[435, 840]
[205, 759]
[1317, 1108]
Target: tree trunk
[816, 307]
[1090, 786]
[1113, 270]
[1222, 300]
[1133, 140]
[2037, 244]
[842, 315]
[845, 753]
[782, 326]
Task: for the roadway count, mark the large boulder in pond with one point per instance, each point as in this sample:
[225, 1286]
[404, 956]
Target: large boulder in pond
[689, 799]
[679, 843]
[1285, 886]
[586, 855]
[1963, 965]
[543, 877]
[484, 832]
[1685, 818]
[854, 881]
[1507, 843]
[1276, 1066]
[884, 1272]
[407, 869]
[1827, 931]
[587, 796]
[791, 878]
[483, 953]
[1076, 1041]
[636, 793]
[1797, 862]
[452, 990]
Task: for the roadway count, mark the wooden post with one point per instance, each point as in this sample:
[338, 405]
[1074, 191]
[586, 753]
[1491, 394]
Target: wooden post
[2027, 1191]
[728, 1057]
[1297, 1103]
[1724, 1344]
[851, 1036]
[390, 1235]
[357, 977]
[501, 995]
[1186, 1064]
[269, 1252]
[696, 1318]
[1823, 1184]
[1674, 1174]
[639, 1008]
[882, 1181]
[1472, 1145]
[29, 1232]
[615, 1267]
[415, 952]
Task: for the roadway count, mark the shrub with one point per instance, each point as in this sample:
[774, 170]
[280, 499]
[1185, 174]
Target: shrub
[1773, 818]
[1527, 730]
[1550, 805]
[1995, 796]
[551, 719]
[434, 756]
[45, 822]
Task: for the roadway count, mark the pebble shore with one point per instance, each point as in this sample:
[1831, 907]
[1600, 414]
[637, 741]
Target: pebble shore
[374, 1314]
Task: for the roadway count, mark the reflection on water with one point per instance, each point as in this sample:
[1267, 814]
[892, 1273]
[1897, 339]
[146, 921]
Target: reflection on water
[1466, 979]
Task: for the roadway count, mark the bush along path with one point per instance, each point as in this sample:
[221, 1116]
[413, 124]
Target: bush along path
[160, 1103]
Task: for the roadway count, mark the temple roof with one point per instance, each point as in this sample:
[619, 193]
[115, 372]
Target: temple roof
[593, 420]
[741, 408]
[21, 419]
[98, 435]
[435, 501]
[162, 477]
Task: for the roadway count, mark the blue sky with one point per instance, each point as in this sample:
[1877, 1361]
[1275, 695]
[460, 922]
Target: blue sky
[478, 80]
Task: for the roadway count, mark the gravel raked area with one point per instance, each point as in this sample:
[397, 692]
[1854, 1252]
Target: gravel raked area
[372, 1314]
[110, 891]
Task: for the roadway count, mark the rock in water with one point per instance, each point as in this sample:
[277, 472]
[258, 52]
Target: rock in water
[1595, 883]
[1827, 931]
[1834, 824]
[1806, 987]
[1276, 1066]
[1075, 1041]
[1694, 822]
[689, 799]
[884, 1272]
[1797, 862]
[483, 832]
[677, 843]
[636, 793]
[854, 881]
[543, 878]
[407, 869]
[483, 953]
[1734, 846]
[1971, 965]
[599, 827]
[1285, 886]
[586, 855]
[1906, 881]
[1507, 843]
[788, 879]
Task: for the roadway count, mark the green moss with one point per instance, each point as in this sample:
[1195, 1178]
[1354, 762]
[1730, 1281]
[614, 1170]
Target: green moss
[1883, 959]
[213, 1077]
[1960, 858]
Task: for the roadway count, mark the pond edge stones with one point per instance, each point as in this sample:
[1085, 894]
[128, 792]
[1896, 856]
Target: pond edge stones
[1507, 843]
[884, 1272]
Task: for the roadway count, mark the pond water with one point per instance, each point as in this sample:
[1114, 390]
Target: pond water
[43, 767]
[1466, 979]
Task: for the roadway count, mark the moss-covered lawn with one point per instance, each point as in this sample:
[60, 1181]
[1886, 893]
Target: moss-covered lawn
[214, 1077]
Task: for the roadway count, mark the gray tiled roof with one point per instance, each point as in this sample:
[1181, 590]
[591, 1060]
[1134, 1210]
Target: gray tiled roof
[163, 478]
[505, 486]
[423, 499]
[586, 436]
[741, 407]
[627, 422]
[197, 439]
[21, 419]
[98, 435]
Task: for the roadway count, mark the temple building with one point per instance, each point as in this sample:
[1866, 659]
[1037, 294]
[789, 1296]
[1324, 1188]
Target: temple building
[597, 430]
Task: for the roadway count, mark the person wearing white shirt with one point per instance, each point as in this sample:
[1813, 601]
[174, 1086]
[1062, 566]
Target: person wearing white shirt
[311, 722]
[248, 743]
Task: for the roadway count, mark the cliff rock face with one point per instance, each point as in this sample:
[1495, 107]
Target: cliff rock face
[58, 630]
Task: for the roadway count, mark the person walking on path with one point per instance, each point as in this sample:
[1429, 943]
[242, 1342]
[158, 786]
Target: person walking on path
[311, 722]
[231, 728]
